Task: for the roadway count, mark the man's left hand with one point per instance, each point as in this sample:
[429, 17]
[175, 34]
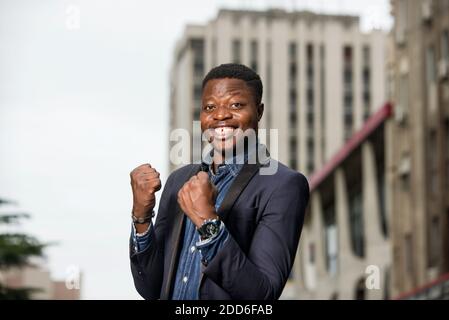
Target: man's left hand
[197, 199]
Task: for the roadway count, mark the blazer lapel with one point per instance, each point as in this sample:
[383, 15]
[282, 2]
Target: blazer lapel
[241, 181]
[174, 242]
[237, 187]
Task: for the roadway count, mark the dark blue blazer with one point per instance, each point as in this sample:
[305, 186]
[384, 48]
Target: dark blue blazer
[264, 215]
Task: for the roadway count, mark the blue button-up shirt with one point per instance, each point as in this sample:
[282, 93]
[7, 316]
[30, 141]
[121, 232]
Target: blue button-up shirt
[194, 250]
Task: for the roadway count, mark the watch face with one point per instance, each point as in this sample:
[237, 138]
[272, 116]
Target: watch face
[210, 229]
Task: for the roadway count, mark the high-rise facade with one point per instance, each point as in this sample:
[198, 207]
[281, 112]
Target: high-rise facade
[322, 76]
[419, 169]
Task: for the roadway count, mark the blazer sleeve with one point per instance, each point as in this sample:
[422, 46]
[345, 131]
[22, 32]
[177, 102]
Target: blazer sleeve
[262, 273]
[147, 266]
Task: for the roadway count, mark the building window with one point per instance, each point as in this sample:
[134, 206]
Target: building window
[323, 100]
[353, 174]
[401, 21]
[356, 222]
[408, 254]
[433, 162]
[434, 237]
[330, 238]
[197, 46]
[403, 96]
[381, 186]
[292, 64]
[386, 288]
[293, 151]
[293, 103]
[268, 83]
[360, 290]
[366, 82]
[214, 51]
[197, 92]
[348, 94]
[293, 98]
[292, 51]
[445, 45]
[447, 153]
[310, 66]
[236, 51]
[311, 253]
[378, 142]
[254, 47]
[397, 281]
[310, 157]
[430, 65]
[310, 110]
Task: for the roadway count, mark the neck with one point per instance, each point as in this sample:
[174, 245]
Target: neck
[220, 157]
[217, 160]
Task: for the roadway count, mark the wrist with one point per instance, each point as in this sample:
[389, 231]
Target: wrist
[139, 219]
[200, 219]
[141, 211]
[209, 229]
[141, 228]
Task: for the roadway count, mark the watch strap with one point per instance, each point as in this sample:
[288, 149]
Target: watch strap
[142, 220]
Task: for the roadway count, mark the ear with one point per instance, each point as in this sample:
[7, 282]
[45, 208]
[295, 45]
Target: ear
[260, 109]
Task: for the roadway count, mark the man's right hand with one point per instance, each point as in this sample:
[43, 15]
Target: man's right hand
[145, 183]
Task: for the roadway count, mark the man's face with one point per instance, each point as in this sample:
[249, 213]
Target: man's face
[228, 109]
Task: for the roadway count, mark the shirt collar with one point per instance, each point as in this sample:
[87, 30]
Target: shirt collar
[234, 164]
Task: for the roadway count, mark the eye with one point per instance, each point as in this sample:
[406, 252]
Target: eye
[236, 105]
[208, 107]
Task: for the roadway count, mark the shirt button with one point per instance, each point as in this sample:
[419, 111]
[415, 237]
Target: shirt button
[192, 249]
[184, 279]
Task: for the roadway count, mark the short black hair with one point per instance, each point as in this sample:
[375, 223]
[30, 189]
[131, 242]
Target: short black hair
[237, 71]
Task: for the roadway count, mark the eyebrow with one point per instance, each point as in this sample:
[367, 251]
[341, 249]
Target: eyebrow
[231, 93]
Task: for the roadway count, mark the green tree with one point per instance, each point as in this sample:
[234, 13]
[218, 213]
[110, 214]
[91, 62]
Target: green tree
[16, 249]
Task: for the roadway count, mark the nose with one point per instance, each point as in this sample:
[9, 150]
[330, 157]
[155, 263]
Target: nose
[222, 113]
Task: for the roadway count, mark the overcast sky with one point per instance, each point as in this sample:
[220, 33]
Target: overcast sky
[82, 105]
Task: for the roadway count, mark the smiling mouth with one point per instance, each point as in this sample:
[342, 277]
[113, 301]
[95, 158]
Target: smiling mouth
[223, 133]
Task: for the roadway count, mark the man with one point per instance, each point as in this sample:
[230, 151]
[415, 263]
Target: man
[224, 230]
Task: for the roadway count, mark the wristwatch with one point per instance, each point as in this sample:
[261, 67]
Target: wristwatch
[142, 220]
[209, 228]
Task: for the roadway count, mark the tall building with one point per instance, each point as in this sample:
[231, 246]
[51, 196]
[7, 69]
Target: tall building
[322, 76]
[419, 169]
[379, 207]
[345, 247]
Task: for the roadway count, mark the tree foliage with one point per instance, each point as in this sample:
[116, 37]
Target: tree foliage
[16, 249]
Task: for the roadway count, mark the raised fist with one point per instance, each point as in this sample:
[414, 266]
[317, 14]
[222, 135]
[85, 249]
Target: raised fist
[145, 183]
[197, 198]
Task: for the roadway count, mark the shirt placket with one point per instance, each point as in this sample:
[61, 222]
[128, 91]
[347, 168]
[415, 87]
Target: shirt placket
[187, 267]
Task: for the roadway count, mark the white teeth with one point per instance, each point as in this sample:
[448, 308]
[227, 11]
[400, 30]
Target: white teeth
[223, 132]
